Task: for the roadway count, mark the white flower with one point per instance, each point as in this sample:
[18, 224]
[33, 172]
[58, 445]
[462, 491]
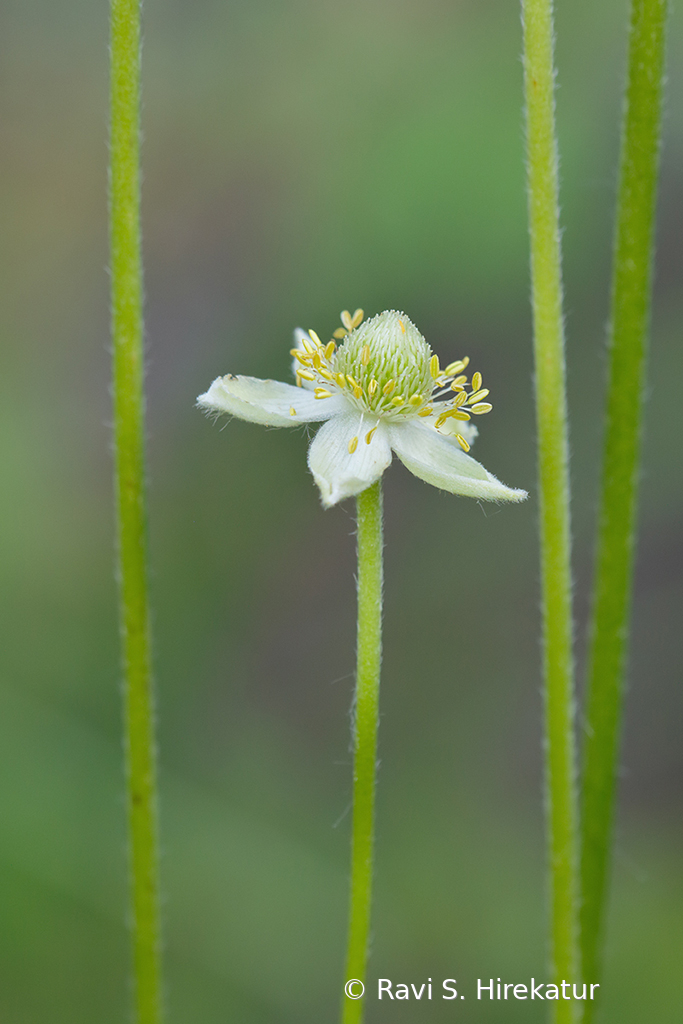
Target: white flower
[381, 389]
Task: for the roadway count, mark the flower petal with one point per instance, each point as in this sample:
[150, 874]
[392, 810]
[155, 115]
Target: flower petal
[437, 460]
[268, 401]
[339, 473]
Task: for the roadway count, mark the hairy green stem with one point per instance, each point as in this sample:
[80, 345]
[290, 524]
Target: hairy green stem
[551, 416]
[127, 337]
[631, 291]
[366, 712]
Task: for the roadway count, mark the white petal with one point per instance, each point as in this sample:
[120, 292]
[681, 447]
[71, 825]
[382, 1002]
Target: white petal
[299, 335]
[338, 473]
[268, 401]
[436, 459]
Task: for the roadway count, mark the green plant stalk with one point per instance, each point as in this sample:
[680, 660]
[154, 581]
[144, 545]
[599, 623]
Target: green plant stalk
[369, 639]
[631, 292]
[551, 416]
[127, 338]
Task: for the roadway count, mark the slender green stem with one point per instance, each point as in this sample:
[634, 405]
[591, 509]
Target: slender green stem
[631, 290]
[127, 332]
[551, 415]
[369, 518]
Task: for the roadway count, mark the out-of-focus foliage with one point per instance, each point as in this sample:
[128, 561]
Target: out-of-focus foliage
[301, 158]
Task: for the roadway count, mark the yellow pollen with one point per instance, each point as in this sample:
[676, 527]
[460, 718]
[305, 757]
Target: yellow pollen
[307, 374]
[340, 333]
[372, 387]
[353, 444]
[292, 411]
[398, 400]
[357, 318]
[462, 442]
[347, 320]
[477, 396]
[481, 408]
[368, 436]
[427, 411]
[434, 367]
[476, 381]
[352, 382]
[389, 387]
[322, 393]
[340, 379]
[458, 414]
[316, 339]
[358, 391]
[415, 399]
[365, 355]
[329, 349]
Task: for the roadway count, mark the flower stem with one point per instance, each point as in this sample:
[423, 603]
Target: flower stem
[369, 520]
[551, 416]
[127, 337]
[631, 291]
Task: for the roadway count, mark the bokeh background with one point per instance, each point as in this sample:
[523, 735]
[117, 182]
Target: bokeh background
[300, 158]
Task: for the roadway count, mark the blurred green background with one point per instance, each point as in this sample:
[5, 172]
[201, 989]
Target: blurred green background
[301, 158]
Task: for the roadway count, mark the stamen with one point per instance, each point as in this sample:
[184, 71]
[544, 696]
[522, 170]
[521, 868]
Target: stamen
[457, 367]
[308, 345]
[353, 444]
[368, 436]
[462, 442]
[365, 355]
[458, 382]
[481, 408]
[458, 414]
[357, 318]
[389, 387]
[340, 333]
[300, 356]
[317, 362]
[298, 381]
[340, 379]
[477, 396]
[403, 326]
[427, 411]
[460, 399]
[307, 374]
[322, 393]
[329, 349]
[476, 381]
[316, 339]
[358, 391]
[352, 382]
[347, 320]
[292, 411]
[415, 399]
[326, 375]
[372, 387]
[434, 367]
[398, 400]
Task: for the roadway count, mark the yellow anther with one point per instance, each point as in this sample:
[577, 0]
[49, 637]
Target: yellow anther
[403, 326]
[457, 367]
[462, 442]
[340, 379]
[357, 318]
[358, 391]
[460, 399]
[307, 374]
[442, 419]
[372, 387]
[434, 367]
[298, 381]
[300, 356]
[353, 444]
[389, 387]
[415, 399]
[368, 436]
[352, 382]
[292, 411]
[316, 339]
[322, 393]
[476, 381]
[326, 375]
[365, 355]
[427, 411]
[317, 362]
[341, 332]
[477, 396]
[459, 382]
[347, 320]
[481, 408]
[329, 349]
[398, 400]
[458, 414]
[308, 345]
